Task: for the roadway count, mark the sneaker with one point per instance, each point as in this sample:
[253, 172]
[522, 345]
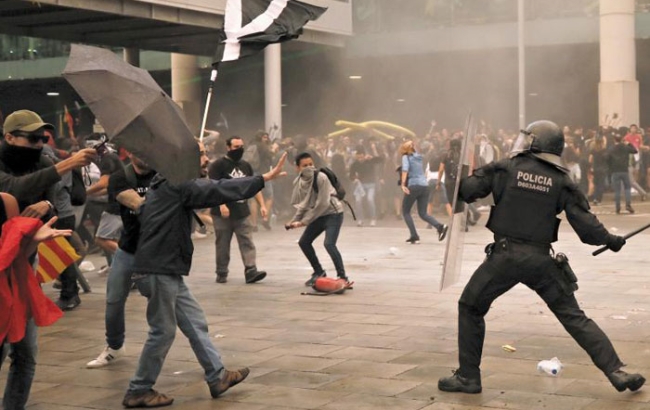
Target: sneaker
[622, 380]
[199, 235]
[459, 384]
[629, 209]
[313, 278]
[229, 379]
[413, 241]
[359, 223]
[105, 357]
[373, 222]
[104, 271]
[442, 233]
[253, 275]
[222, 277]
[148, 399]
[68, 304]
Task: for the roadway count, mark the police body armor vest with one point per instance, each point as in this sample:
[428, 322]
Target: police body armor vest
[526, 201]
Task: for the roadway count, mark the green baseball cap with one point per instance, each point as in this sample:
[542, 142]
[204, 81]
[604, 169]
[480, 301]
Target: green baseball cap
[24, 120]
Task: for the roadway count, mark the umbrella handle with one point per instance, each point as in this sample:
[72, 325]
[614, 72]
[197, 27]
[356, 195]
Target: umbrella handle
[213, 78]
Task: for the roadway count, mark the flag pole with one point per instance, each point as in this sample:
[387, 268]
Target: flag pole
[213, 78]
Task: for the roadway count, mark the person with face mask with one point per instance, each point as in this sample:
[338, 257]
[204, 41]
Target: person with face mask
[31, 178]
[126, 187]
[318, 210]
[234, 217]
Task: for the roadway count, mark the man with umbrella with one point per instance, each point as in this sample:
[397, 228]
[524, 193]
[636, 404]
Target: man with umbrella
[529, 190]
[164, 256]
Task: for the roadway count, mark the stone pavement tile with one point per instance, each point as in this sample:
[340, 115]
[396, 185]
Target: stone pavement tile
[249, 332]
[536, 383]
[247, 359]
[369, 368]
[615, 405]
[50, 406]
[368, 353]
[513, 364]
[71, 395]
[424, 331]
[371, 386]
[349, 317]
[430, 392]
[240, 344]
[365, 329]
[312, 314]
[452, 406]
[304, 349]
[94, 378]
[415, 344]
[604, 390]
[304, 337]
[426, 373]
[291, 397]
[373, 402]
[300, 363]
[208, 403]
[429, 358]
[368, 341]
[535, 401]
[303, 380]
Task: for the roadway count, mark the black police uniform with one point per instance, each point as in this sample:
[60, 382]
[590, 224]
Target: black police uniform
[528, 195]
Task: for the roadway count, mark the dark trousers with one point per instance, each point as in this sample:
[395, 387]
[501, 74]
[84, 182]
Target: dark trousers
[331, 225]
[69, 276]
[498, 274]
[419, 194]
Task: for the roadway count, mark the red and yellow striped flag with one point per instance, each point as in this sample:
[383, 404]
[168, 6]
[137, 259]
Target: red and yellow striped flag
[54, 256]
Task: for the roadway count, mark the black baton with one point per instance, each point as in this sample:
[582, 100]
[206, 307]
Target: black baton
[629, 235]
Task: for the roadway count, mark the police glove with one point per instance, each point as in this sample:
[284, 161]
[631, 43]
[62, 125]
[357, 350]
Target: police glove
[615, 242]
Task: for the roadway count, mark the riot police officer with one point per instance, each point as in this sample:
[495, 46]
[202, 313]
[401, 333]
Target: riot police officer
[530, 189]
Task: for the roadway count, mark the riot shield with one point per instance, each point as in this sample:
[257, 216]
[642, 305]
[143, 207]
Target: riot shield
[456, 234]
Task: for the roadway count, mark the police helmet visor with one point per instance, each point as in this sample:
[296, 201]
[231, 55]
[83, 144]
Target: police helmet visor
[522, 143]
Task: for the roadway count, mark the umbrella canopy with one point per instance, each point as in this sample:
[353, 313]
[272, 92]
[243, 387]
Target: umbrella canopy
[134, 111]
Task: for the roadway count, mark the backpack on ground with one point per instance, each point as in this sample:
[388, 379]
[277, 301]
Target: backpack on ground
[334, 180]
[329, 286]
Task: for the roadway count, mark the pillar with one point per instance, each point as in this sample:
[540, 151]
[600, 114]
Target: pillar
[186, 89]
[273, 89]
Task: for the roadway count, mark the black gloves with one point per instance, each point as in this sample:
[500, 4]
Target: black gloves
[615, 242]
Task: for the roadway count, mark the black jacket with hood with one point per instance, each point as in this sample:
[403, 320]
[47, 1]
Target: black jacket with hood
[165, 246]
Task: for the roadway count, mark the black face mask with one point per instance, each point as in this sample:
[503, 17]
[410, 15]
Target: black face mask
[19, 160]
[236, 154]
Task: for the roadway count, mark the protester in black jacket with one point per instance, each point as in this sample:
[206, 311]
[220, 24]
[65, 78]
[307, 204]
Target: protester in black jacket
[164, 256]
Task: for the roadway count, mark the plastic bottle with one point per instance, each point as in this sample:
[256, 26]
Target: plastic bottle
[552, 367]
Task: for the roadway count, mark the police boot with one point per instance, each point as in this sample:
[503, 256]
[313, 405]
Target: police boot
[458, 383]
[622, 380]
[253, 275]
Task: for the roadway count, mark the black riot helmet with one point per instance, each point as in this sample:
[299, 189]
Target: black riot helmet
[545, 140]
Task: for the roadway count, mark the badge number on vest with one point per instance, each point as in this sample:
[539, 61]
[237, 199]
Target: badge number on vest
[534, 182]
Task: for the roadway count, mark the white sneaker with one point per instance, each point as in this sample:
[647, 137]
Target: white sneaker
[373, 223]
[198, 235]
[359, 223]
[105, 357]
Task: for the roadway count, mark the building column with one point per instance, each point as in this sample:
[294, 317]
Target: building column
[186, 88]
[132, 56]
[273, 89]
[618, 91]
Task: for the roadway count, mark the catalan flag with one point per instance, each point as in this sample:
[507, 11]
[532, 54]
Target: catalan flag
[54, 256]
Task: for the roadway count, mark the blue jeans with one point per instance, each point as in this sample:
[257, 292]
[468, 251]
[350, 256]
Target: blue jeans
[369, 197]
[618, 179]
[172, 304]
[331, 225]
[22, 369]
[118, 286]
[419, 194]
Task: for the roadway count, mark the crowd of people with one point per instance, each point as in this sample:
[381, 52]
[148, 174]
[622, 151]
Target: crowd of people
[97, 191]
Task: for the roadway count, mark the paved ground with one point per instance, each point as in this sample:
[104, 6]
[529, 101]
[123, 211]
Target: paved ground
[382, 345]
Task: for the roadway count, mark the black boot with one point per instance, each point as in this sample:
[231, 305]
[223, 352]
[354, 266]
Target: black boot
[459, 384]
[253, 275]
[622, 380]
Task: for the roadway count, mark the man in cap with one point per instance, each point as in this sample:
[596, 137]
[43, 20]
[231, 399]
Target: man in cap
[530, 188]
[30, 177]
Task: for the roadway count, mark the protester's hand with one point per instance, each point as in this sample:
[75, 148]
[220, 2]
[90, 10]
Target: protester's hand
[264, 213]
[83, 157]
[615, 242]
[406, 190]
[46, 231]
[296, 224]
[225, 211]
[276, 172]
[37, 210]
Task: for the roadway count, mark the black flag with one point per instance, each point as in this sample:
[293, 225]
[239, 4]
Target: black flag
[250, 25]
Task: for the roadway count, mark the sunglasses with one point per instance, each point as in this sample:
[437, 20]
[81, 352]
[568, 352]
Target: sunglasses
[33, 138]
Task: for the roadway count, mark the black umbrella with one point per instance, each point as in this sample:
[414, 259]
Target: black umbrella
[134, 111]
